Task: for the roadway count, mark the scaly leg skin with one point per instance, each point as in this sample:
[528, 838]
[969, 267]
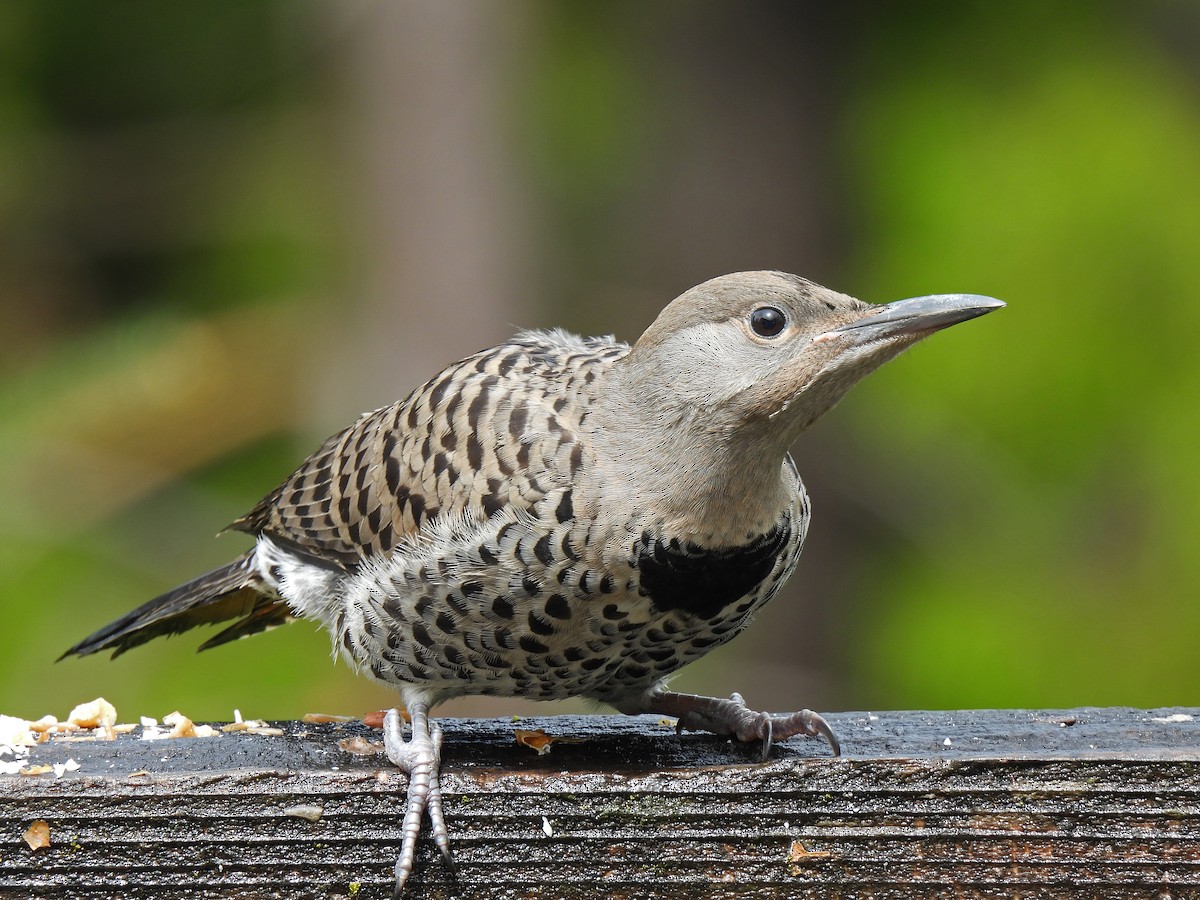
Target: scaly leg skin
[732, 717]
[421, 758]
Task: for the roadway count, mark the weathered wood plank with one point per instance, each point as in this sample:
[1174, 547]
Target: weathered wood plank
[1017, 803]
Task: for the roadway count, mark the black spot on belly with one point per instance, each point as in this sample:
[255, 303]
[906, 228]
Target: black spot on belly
[558, 607]
[539, 626]
[703, 581]
[565, 511]
[635, 672]
[531, 644]
[421, 635]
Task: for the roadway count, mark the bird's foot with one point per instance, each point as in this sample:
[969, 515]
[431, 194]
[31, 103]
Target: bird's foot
[421, 757]
[732, 717]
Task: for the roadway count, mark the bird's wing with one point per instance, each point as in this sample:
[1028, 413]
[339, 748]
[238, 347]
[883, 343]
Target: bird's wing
[493, 432]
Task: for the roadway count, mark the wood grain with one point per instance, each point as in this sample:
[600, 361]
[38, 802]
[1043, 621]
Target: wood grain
[990, 803]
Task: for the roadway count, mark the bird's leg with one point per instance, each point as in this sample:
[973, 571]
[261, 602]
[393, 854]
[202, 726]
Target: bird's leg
[421, 758]
[733, 717]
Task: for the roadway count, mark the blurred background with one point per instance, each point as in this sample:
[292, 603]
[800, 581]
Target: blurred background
[228, 228]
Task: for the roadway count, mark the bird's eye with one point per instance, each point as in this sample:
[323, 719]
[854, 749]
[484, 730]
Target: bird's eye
[767, 321]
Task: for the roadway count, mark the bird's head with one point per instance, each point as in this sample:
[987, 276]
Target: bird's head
[773, 352]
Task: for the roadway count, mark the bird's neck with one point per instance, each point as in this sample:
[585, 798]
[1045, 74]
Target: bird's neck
[735, 499]
[718, 489]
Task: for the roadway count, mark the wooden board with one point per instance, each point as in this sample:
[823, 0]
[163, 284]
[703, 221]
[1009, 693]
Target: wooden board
[990, 803]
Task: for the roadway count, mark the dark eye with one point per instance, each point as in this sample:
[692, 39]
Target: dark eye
[767, 321]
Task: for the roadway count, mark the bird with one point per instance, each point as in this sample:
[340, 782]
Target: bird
[559, 516]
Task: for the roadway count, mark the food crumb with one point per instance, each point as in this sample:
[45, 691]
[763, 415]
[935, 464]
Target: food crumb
[37, 835]
[310, 812]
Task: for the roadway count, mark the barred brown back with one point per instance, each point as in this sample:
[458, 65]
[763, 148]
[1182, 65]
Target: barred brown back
[497, 430]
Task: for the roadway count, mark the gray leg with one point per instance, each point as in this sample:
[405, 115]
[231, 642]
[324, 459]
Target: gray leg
[420, 757]
[732, 717]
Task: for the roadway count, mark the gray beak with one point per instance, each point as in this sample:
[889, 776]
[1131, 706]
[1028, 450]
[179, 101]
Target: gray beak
[920, 314]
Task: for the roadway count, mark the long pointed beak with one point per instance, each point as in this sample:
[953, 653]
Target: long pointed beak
[920, 314]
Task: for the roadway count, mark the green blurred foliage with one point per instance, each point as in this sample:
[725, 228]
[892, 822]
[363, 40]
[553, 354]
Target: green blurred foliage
[1064, 178]
[174, 254]
[171, 234]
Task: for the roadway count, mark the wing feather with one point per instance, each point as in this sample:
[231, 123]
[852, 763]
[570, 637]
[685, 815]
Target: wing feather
[492, 433]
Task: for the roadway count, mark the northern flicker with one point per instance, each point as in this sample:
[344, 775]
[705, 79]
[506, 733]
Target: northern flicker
[561, 517]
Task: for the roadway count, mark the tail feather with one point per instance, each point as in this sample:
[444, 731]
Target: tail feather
[233, 591]
[266, 614]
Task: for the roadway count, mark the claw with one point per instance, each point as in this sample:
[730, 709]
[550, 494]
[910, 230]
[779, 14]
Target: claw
[732, 717]
[825, 730]
[766, 739]
[808, 723]
[420, 757]
[437, 821]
